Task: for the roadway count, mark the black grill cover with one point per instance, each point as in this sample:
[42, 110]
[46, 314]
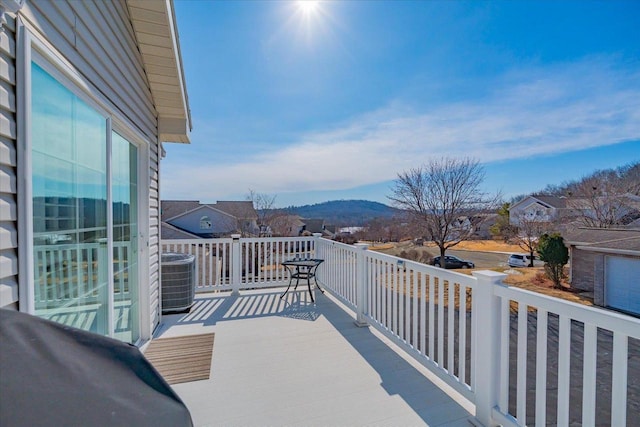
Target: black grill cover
[54, 375]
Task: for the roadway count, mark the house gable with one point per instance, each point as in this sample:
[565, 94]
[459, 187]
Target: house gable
[205, 221]
[531, 208]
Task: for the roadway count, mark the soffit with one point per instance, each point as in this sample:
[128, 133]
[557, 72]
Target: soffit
[157, 35]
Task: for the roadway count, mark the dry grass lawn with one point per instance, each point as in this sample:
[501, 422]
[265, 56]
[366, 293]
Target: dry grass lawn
[471, 245]
[531, 279]
[489, 246]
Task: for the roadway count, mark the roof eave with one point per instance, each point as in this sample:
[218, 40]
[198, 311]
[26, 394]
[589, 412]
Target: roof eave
[154, 24]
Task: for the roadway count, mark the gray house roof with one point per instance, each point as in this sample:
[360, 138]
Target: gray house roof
[173, 208]
[240, 209]
[547, 200]
[168, 231]
[314, 225]
[621, 240]
[552, 201]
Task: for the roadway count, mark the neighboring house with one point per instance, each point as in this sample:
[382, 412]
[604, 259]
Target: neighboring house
[284, 225]
[208, 220]
[245, 214]
[89, 91]
[473, 227]
[607, 263]
[482, 225]
[168, 232]
[541, 208]
[576, 211]
[317, 225]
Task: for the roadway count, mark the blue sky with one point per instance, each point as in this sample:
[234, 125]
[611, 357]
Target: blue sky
[334, 103]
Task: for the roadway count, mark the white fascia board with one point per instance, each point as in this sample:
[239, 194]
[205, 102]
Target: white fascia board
[170, 129]
[175, 38]
[173, 129]
[609, 250]
[521, 202]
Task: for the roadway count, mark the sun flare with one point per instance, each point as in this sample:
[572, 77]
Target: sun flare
[308, 7]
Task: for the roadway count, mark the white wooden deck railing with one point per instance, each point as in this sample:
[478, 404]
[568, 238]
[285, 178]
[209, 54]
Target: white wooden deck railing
[471, 331]
[69, 273]
[423, 309]
[235, 263]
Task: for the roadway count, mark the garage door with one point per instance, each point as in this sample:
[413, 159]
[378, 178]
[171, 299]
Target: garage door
[622, 284]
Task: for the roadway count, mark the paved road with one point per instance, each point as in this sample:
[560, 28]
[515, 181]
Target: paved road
[480, 259]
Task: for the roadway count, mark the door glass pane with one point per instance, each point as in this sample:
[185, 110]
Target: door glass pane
[69, 206]
[124, 193]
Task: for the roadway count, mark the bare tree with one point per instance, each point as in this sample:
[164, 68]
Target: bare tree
[503, 227]
[264, 206]
[630, 178]
[602, 201]
[281, 223]
[439, 194]
[241, 216]
[528, 232]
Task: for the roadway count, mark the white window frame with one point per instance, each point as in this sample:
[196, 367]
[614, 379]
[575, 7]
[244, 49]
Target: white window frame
[34, 48]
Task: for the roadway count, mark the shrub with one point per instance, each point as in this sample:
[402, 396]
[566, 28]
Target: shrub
[555, 255]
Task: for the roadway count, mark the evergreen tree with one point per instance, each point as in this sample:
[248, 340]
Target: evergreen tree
[555, 255]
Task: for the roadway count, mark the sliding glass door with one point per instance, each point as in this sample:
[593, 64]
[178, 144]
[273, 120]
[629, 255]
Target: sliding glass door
[124, 159]
[85, 214]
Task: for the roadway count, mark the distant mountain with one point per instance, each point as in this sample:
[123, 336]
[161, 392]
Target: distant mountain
[345, 212]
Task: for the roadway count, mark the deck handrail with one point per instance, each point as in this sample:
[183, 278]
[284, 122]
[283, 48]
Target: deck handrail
[470, 330]
[75, 276]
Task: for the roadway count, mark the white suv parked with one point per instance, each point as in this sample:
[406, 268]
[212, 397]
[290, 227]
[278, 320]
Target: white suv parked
[519, 260]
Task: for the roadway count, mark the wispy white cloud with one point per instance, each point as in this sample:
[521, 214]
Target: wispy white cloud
[531, 112]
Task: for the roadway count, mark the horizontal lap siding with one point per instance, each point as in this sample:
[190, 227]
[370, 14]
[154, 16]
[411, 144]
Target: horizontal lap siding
[97, 37]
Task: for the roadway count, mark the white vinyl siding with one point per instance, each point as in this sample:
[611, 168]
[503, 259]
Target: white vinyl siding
[105, 54]
[8, 164]
[98, 41]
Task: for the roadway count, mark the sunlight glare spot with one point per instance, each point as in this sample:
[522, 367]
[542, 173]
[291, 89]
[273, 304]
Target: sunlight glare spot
[308, 7]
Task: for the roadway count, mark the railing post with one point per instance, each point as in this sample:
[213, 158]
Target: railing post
[361, 284]
[316, 239]
[486, 332]
[236, 264]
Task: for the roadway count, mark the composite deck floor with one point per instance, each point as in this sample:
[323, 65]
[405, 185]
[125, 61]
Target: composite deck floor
[292, 362]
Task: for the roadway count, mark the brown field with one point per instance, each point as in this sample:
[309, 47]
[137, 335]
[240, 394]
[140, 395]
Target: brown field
[533, 279]
[471, 245]
[488, 246]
